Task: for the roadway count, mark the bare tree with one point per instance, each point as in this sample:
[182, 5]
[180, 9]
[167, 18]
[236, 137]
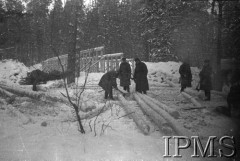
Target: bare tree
[74, 105]
[73, 31]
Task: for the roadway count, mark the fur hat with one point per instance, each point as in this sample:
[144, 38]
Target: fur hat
[136, 59]
[124, 59]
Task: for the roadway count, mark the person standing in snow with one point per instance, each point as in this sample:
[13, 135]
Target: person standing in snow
[185, 75]
[206, 80]
[140, 76]
[234, 93]
[108, 82]
[125, 74]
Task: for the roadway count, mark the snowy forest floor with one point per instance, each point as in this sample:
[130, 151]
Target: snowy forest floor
[47, 131]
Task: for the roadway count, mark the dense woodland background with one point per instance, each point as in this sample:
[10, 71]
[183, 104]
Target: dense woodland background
[154, 30]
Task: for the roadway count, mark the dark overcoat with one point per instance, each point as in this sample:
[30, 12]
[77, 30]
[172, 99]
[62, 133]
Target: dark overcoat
[186, 75]
[125, 74]
[140, 77]
[205, 78]
[35, 77]
[234, 94]
[108, 81]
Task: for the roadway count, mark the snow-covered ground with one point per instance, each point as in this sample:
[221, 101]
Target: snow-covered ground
[12, 71]
[36, 130]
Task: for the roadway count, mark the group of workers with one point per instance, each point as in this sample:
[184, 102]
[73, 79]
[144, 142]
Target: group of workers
[205, 78]
[233, 95]
[108, 80]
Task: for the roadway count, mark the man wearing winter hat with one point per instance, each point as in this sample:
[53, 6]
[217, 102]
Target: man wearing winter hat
[125, 74]
[140, 76]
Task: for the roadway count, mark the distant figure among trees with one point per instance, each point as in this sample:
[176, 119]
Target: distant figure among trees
[185, 75]
[206, 80]
[108, 82]
[140, 76]
[125, 75]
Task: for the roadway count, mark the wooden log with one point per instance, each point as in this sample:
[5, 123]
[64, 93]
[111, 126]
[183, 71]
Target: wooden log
[160, 122]
[171, 111]
[178, 128]
[171, 84]
[11, 97]
[193, 100]
[94, 112]
[191, 91]
[22, 92]
[40, 87]
[193, 108]
[141, 124]
[122, 92]
[6, 93]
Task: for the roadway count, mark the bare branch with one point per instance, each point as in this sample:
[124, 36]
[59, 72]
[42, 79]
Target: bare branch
[94, 127]
[90, 125]
[126, 115]
[68, 96]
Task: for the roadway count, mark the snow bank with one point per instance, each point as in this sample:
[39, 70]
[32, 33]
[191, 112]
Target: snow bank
[36, 66]
[172, 69]
[12, 71]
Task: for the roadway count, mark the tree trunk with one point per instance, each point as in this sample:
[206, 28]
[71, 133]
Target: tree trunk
[78, 118]
[146, 49]
[217, 77]
[72, 47]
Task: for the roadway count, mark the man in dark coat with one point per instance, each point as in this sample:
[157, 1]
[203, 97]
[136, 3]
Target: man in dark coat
[108, 82]
[185, 75]
[233, 98]
[205, 79]
[125, 74]
[140, 77]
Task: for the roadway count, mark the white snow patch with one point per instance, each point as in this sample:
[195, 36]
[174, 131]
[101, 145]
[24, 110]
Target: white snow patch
[12, 71]
[169, 69]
